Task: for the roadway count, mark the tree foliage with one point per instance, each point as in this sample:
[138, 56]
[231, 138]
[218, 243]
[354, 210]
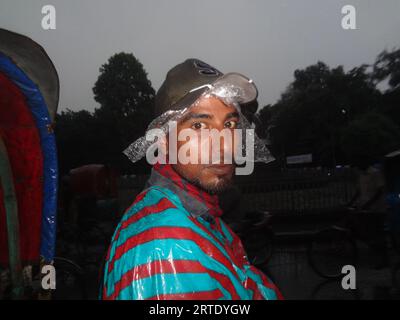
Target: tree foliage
[387, 66]
[368, 137]
[126, 100]
[339, 116]
[313, 112]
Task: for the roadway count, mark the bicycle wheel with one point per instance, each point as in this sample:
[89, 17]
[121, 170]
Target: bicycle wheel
[329, 251]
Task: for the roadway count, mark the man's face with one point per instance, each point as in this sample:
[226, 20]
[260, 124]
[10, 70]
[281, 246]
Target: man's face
[209, 113]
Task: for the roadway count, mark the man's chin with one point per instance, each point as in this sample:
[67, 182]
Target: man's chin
[216, 187]
[209, 181]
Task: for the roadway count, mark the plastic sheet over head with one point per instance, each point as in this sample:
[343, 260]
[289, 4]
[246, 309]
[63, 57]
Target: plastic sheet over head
[230, 95]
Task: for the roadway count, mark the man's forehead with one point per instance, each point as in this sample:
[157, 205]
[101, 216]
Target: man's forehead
[210, 104]
[209, 113]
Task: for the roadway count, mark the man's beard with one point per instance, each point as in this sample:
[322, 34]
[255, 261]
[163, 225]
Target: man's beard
[213, 188]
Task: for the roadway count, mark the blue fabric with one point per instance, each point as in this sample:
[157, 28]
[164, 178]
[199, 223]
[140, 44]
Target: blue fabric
[42, 118]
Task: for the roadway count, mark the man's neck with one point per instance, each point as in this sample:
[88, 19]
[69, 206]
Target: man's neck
[197, 199]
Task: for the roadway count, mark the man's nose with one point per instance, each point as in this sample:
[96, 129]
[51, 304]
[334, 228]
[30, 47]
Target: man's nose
[224, 149]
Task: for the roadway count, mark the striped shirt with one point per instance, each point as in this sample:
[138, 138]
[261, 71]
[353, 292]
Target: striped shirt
[172, 244]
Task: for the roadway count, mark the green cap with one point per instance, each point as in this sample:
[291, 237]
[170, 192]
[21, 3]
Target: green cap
[187, 81]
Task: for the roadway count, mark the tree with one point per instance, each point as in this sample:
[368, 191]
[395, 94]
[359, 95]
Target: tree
[122, 86]
[368, 138]
[126, 106]
[126, 100]
[315, 106]
[77, 143]
[387, 66]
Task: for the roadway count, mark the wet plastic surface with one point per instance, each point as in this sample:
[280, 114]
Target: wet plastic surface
[230, 95]
[40, 113]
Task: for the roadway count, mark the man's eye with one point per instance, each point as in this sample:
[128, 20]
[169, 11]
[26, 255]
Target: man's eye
[198, 125]
[231, 124]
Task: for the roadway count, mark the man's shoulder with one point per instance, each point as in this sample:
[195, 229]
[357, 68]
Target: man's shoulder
[155, 196]
[154, 215]
[153, 207]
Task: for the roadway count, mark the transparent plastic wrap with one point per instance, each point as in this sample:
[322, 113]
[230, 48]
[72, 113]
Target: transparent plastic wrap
[176, 253]
[230, 95]
[171, 242]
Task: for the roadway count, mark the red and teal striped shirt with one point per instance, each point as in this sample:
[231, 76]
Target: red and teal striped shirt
[172, 244]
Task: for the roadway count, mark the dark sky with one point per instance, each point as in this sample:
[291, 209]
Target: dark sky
[263, 39]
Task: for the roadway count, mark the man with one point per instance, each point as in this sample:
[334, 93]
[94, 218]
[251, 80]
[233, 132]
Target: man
[171, 242]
